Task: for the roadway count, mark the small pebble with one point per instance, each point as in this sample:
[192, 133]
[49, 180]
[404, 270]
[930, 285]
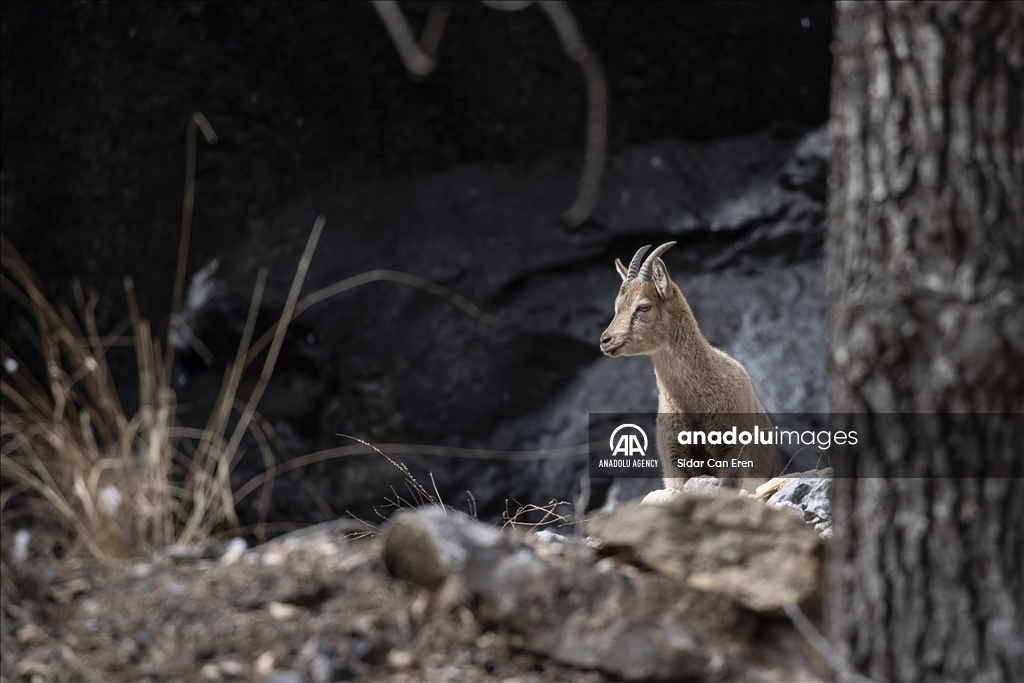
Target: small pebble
[401, 659]
[210, 672]
[232, 668]
[265, 663]
[282, 611]
[19, 549]
[550, 536]
[323, 669]
[142, 570]
[274, 556]
[27, 633]
[236, 548]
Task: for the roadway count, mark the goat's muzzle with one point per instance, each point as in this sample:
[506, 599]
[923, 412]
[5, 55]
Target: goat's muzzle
[609, 344]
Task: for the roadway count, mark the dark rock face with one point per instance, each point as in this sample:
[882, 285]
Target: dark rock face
[458, 179]
[96, 99]
[393, 364]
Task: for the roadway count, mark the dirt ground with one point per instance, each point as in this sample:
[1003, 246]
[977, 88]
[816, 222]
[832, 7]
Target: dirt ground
[313, 606]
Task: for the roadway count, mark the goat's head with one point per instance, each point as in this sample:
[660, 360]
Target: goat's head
[645, 307]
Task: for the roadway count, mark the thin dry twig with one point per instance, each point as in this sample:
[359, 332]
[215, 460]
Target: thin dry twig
[548, 516]
[580, 502]
[597, 110]
[418, 488]
[227, 457]
[412, 451]
[279, 333]
[198, 121]
[379, 275]
[267, 431]
[419, 57]
[824, 648]
[420, 60]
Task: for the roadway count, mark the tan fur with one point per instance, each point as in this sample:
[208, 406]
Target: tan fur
[699, 387]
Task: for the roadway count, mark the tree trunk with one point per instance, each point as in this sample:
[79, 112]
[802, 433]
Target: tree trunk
[925, 255]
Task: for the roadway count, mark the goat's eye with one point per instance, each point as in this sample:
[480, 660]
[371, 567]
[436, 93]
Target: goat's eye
[643, 308]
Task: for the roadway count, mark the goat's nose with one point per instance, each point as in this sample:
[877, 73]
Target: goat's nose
[605, 339]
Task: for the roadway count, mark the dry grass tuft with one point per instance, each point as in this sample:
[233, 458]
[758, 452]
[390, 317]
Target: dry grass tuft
[116, 485]
[101, 477]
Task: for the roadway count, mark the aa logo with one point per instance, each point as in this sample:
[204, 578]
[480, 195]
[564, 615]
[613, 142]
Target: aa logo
[625, 440]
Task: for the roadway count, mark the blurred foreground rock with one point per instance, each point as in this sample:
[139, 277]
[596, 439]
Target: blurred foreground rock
[612, 616]
[312, 606]
[484, 605]
[641, 627]
[719, 542]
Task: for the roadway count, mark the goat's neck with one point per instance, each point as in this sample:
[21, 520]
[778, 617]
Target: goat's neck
[683, 366]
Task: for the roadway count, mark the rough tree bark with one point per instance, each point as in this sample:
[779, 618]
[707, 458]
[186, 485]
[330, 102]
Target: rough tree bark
[925, 255]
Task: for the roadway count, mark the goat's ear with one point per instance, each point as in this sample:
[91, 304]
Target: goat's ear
[621, 268]
[660, 278]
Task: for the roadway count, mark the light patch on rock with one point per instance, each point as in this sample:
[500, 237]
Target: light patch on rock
[236, 548]
[660, 497]
[202, 288]
[401, 659]
[282, 611]
[19, 549]
[110, 500]
[265, 663]
[200, 292]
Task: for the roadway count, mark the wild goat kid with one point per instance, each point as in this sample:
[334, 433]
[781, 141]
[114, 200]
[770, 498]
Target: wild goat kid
[699, 387]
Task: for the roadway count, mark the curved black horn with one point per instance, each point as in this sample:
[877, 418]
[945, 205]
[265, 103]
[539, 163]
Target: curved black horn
[634, 265]
[644, 274]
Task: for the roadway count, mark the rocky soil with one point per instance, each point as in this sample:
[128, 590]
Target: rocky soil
[312, 606]
[693, 589]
